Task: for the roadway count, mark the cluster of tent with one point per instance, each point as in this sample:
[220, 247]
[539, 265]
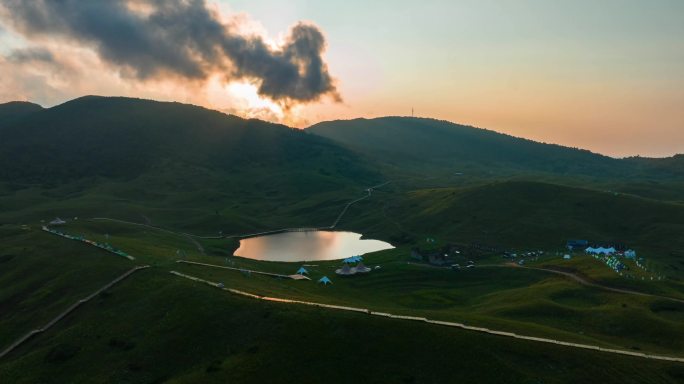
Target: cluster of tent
[352, 260]
[105, 246]
[323, 280]
[613, 262]
[346, 270]
[600, 251]
[630, 254]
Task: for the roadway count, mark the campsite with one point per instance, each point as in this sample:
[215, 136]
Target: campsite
[436, 192]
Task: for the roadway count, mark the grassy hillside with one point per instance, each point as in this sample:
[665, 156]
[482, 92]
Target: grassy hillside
[524, 215]
[124, 138]
[423, 147]
[156, 327]
[416, 141]
[170, 163]
[189, 169]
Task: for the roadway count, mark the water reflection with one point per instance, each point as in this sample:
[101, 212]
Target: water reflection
[308, 246]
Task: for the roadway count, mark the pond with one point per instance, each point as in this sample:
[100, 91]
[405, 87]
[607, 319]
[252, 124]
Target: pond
[308, 246]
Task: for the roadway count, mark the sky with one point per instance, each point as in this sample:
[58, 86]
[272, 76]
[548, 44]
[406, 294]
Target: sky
[602, 75]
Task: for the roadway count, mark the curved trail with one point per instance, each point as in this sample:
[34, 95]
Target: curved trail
[590, 283]
[436, 322]
[579, 279]
[192, 237]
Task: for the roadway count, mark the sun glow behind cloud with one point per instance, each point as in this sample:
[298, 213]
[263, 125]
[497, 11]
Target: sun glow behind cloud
[187, 51]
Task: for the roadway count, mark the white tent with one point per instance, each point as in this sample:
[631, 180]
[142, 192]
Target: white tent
[57, 221]
[346, 270]
[360, 268]
[600, 251]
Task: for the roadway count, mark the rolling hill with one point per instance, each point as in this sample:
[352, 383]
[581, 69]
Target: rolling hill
[431, 145]
[14, 110]
[123, 138]
[177, 164]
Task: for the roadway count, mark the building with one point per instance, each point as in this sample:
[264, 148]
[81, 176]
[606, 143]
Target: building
[576, 244]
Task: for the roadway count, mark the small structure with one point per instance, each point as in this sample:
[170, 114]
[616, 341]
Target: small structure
[324, 280]
[360, 268]
[346, 270]
[630, 254]
[302, 271]
[567, 257]
[57, 221]
[600, 251]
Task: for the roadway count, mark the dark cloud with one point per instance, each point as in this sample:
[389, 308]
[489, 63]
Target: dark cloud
[31, 55]
[158, 38]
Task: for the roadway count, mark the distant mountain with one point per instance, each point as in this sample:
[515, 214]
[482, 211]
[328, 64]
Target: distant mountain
[407, 142]
[670, 165]
[124, 138]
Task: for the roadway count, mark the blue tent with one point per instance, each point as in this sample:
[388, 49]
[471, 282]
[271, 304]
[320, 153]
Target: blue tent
[302, 271]
[324, 280]
[352, 260]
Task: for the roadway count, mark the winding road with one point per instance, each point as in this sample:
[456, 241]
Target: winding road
[369, 192]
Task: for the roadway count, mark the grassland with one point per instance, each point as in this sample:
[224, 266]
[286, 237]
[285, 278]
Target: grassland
[159, 328]
[156, 327]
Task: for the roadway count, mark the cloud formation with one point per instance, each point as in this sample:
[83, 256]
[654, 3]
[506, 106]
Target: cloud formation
[158, 39]
[26, 55]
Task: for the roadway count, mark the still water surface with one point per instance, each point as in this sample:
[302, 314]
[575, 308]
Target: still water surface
[308, 246]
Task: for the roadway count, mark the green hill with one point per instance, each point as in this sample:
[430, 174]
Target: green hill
[15, 110]
[122, 137]
[431, 145]
[531, 214]
[525, 215]
[174, 163]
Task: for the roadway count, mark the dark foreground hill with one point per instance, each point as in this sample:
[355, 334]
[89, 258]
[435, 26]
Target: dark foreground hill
[123, 138]
[178, 164]
[14, 110]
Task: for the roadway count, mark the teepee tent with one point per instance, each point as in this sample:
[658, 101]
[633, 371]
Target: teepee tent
[302, 271]
[360, 268]
[324, 280]
[346, 270]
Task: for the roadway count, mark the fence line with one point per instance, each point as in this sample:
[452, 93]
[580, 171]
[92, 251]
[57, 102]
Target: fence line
[438, 322]
[67, 311]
